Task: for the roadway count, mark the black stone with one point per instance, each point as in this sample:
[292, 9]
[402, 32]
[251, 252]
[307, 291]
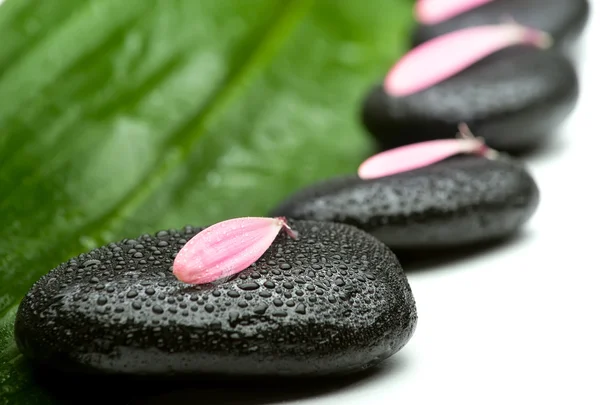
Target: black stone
[563, 19]
[460, 201]
[152, 324]
[515, 99]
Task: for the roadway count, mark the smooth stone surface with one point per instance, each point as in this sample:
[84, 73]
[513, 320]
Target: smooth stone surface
[563, 19]
[515, 99]
[460, 201]
[334, 301]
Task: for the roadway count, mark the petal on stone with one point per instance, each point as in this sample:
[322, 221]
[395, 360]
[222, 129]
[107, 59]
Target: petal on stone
[226, 248]
[445, 56]
[414, 156]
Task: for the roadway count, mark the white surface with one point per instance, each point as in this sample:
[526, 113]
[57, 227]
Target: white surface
[518, 324]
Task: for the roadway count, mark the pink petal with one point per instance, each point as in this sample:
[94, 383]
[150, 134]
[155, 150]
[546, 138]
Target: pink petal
[226, 248]
[437, 11]
[443, 57]
[414, 156]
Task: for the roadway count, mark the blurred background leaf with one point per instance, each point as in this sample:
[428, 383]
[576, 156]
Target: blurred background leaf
[124, 117]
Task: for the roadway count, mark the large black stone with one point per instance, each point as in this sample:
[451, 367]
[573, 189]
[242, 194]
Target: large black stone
[563, 19]
[333, 301]
[515, 99]
[457, 202]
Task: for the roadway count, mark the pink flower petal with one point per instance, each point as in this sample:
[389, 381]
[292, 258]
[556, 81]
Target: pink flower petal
[414, 156]
[437, 11]
[443, 57]
[226, 248]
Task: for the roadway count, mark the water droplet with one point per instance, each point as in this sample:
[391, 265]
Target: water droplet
[249, 286]
[261, 308]
[233, 317]
[280, 313]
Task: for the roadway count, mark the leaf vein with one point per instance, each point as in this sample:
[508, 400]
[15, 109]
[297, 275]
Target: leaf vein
[182, 141]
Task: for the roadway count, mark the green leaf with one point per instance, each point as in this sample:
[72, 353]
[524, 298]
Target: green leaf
[124, 117]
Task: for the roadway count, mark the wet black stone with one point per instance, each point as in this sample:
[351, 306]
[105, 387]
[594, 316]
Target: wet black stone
[460, 201]
[515, 99]
[563, 19]
[252, 333]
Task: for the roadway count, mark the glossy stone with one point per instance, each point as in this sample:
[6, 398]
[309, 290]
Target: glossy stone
[334, 301]
[563, 19]
[515, 99]
[461, 201]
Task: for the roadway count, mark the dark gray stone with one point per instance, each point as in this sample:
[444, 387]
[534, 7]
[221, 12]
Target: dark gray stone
[460, 201]
[333, 301]
[515, 99]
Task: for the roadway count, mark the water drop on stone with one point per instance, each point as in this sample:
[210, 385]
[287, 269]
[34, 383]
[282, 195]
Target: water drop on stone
[249, 286]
